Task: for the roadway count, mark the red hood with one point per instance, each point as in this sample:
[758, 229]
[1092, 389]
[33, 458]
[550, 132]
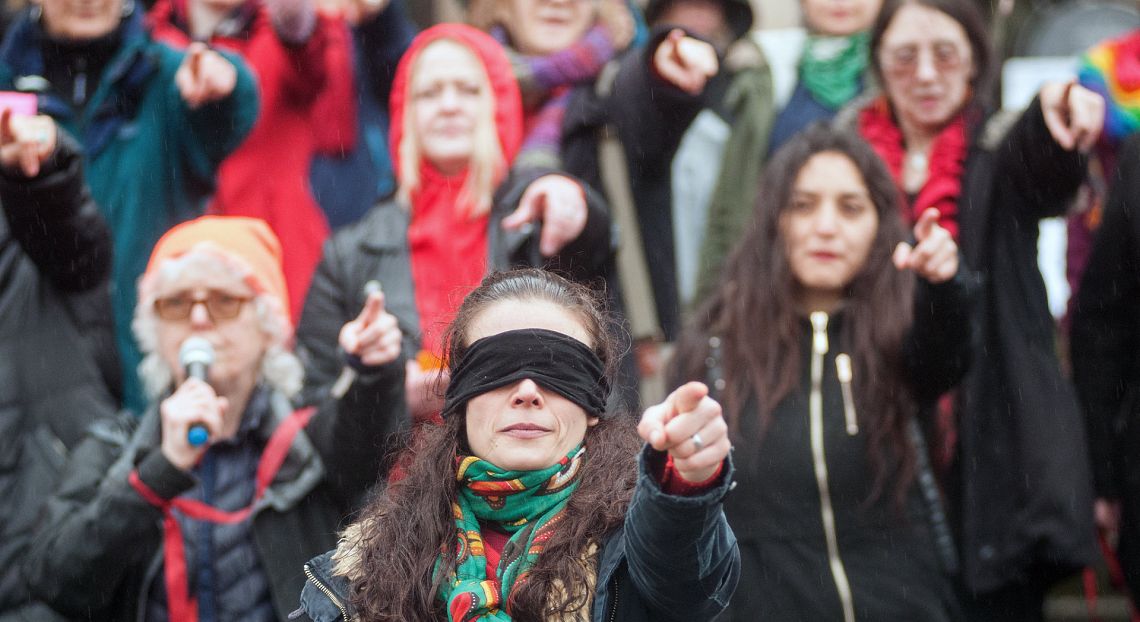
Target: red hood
[508, 102]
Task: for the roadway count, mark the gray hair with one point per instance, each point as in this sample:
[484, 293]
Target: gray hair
[280, 368]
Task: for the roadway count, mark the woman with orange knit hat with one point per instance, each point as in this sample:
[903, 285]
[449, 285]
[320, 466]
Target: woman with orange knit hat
[222, 487]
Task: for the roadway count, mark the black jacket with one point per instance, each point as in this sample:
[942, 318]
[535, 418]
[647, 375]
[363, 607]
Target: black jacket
[889, 556]
[1021, 487]
[650, 117]
[1106, 353]
[100, 546]
[675, 559]
[55, 257]
[376, 248]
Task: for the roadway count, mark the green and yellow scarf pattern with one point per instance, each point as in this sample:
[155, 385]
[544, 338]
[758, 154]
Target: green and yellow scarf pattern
[529, 505]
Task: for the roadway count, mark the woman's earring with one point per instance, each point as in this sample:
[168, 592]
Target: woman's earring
[36, 12]
[128, 7]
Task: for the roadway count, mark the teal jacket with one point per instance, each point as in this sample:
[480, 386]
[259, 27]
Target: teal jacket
[150, 159]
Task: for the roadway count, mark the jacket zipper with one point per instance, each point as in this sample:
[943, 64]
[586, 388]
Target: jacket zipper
[843, 371]
[815, 412]
[327, 592]
[614, 602]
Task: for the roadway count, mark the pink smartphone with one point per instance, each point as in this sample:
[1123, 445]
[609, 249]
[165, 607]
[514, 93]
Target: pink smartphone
[20, 103]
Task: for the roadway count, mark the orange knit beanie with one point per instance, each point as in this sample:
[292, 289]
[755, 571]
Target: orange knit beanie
[249, 241]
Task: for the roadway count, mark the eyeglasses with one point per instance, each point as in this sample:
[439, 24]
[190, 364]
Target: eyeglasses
[220, 305]
[903, 61]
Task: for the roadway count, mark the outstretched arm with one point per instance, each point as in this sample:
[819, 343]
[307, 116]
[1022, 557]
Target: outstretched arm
[937, 352]
[48, 206]
[682, 555]
[1044, 156]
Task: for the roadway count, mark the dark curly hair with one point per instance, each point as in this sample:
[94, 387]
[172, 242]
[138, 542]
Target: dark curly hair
[404, 529]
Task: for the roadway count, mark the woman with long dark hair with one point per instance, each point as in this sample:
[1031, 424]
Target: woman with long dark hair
[530, 502]
[825, 400]
[1019, 480]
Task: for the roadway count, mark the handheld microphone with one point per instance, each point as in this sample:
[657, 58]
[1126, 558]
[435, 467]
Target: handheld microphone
[196, 355]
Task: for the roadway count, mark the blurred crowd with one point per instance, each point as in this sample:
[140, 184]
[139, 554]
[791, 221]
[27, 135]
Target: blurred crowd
[834, 226]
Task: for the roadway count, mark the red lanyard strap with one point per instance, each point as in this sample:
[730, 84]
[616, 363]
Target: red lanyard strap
[180, 605]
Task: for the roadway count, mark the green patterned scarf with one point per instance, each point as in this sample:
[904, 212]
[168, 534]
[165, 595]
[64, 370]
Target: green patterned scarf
[526, 504]
[832, 67]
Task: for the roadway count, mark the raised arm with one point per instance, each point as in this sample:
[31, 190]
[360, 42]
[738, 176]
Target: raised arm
[682, 555]
[211, 107]
[938, 349]
[357, 431]
[656, 95]
[1044, 156]
[554, 220]
[50, 212]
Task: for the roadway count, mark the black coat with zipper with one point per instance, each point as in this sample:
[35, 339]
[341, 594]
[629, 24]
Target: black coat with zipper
[55, 258]
[888, 554]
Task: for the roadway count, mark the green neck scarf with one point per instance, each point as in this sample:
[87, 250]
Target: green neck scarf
[832, 67]
[526, 504]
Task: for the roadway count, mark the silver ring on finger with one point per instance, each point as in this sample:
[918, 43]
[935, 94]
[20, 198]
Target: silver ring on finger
[697, 442]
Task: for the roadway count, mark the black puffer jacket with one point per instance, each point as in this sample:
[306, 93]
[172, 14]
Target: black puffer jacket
[55, 254]
[100, 546]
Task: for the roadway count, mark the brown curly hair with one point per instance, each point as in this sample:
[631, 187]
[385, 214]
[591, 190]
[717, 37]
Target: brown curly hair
[403, 530]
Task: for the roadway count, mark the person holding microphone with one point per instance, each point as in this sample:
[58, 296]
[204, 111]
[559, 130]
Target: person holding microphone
[531, 501]
[149, 525]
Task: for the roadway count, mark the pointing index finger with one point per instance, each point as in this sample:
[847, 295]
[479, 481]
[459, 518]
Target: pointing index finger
[926, 223]
[7, 135]
[688, 396]
[196, 51]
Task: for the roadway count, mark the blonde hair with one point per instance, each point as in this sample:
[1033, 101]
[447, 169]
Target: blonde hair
[280, 368]
[487, 163]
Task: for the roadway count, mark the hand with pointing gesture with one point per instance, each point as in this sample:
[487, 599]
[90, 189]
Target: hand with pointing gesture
[934, 256]
[689, 425]
[559, 203]
[25, 141]
[374, 335]
[205, 76]
[1073, 114]
[685, 62]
